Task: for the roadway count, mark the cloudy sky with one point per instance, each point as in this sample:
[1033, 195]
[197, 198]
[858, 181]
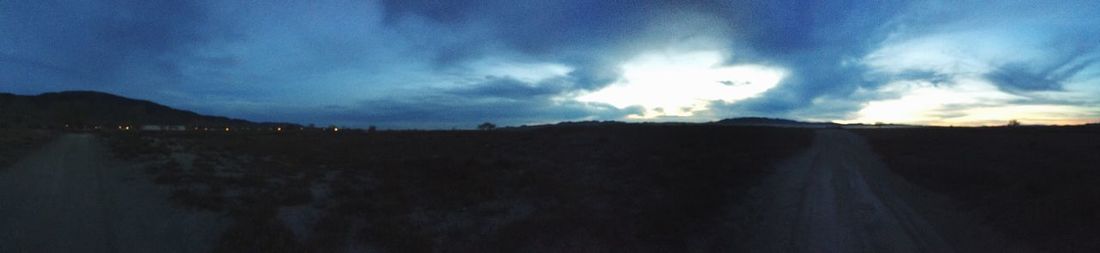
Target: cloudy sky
[444, 64]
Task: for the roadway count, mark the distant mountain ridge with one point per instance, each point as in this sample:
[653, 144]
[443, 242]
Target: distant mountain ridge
[760, 121]
[91, 108]
[745, 121]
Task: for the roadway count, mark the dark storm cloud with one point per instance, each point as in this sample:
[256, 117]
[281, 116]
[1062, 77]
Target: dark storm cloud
[817, 43]
[932, 77]
[1016, 77]
[94, 43]
[502, 100]
[592, 36]
[16, 61]
[510, 88]
[822, 44]
[537, 27]
[1021, 77]
[1071, 50]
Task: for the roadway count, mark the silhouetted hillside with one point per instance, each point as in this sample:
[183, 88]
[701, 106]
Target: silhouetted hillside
[89, 108]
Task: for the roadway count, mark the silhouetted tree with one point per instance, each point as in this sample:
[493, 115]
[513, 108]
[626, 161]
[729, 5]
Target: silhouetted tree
[486, 126]
[1013, 123]
[371, 129]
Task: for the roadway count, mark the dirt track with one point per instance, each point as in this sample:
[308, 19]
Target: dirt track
[837, 197]
[69, 197]
[834, 197]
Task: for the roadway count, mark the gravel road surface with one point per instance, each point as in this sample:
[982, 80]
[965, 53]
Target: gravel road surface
[71, 197]
[835, 197]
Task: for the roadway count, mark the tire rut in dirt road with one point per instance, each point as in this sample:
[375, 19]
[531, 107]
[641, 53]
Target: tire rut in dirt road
[71, 197]
[834, 198]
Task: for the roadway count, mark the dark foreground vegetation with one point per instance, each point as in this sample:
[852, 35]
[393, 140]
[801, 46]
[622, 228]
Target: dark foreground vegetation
[614, 188]
[1039, 186]
[17, 142]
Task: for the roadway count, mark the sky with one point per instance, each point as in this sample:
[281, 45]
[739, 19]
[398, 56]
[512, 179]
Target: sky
[454, 64]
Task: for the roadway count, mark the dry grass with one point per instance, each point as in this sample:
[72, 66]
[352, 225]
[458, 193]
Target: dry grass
[1038, 185]
[15, 143]
[596, 188]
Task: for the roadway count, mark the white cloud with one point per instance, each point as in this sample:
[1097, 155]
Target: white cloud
[957, 58]
[681, 84]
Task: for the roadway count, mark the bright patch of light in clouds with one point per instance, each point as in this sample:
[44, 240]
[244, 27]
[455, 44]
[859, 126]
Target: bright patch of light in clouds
[943, 79]
[922, 102]
[966, 102]
[681, 84]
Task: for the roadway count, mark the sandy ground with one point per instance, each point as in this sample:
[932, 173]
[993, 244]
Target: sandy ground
[837, 197]
[70, 197]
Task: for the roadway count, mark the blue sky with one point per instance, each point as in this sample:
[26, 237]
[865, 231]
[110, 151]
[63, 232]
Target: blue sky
[444, 64]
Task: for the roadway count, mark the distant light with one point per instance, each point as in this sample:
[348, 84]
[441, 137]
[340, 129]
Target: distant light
[335, 129]
[279, 129]
[126, 128]
[227, 129]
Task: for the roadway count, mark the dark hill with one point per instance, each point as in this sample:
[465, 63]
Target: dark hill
[89, 108]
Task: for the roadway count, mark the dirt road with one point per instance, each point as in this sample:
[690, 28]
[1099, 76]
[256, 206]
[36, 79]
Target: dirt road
[70, 197]
[837, 197]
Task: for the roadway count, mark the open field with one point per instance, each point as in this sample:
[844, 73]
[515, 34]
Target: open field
[1039, 186]
[592, 188]
[15, 143]
[560, 189]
